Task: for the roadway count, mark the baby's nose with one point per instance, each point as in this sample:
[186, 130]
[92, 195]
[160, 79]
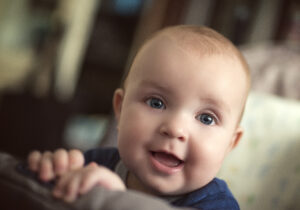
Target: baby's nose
[175, 128]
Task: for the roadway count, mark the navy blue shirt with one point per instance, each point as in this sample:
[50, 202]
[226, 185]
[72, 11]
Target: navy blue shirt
[213, 196]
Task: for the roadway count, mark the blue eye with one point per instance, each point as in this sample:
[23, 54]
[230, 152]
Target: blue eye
[206, 119]
[155, 103]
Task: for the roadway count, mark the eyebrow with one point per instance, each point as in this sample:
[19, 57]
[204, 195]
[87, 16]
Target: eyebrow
[217, 104]
[153, 84]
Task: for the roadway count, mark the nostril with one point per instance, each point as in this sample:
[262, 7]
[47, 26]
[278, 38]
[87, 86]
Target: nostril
[181, 138]
[171, 132]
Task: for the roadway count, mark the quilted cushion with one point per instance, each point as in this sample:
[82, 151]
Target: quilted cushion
[263, 172]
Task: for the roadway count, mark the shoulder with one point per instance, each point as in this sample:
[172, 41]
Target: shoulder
[107, 156]
[215, 195]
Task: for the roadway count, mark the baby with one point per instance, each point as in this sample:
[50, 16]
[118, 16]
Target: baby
[178, 116]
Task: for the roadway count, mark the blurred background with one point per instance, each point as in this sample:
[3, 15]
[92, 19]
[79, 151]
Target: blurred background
[61, 60]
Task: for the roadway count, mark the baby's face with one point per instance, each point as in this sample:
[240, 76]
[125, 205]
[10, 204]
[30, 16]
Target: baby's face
[178, 117]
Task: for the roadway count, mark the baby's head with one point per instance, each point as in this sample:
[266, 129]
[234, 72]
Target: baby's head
[180, 108]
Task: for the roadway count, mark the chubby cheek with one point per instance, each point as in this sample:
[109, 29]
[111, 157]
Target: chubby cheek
[133, 130]
[204, 162]
[132, 124]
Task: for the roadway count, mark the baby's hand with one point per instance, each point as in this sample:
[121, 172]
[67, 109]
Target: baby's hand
[78, 182]
[49, 165]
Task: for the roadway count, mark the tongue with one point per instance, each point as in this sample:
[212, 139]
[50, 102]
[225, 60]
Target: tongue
[167, 159]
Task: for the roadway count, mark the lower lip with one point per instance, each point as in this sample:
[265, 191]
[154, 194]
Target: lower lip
[163, 168]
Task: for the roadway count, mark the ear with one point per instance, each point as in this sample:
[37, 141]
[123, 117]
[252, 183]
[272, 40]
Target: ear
[117, 102]
[235, 138]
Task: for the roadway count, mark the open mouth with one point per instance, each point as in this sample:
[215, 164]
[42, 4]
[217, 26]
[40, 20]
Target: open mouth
[166, 162]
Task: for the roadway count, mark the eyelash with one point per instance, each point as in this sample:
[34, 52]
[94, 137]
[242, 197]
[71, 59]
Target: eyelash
[212, 116]
[149, 102]
[198, 117]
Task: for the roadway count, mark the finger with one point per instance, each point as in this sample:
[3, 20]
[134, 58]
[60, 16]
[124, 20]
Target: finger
[46, 167]
[100, 176]
[76, 159]
[60, 161]
[90, 178]
[109, 179]
[58, 190]
[33, 160]
[71, 189]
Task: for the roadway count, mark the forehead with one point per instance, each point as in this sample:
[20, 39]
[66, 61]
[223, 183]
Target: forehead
[197, 43]
[164, 54]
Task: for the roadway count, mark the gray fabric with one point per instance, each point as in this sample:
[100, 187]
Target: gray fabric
[20, 192]
[119, 200]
